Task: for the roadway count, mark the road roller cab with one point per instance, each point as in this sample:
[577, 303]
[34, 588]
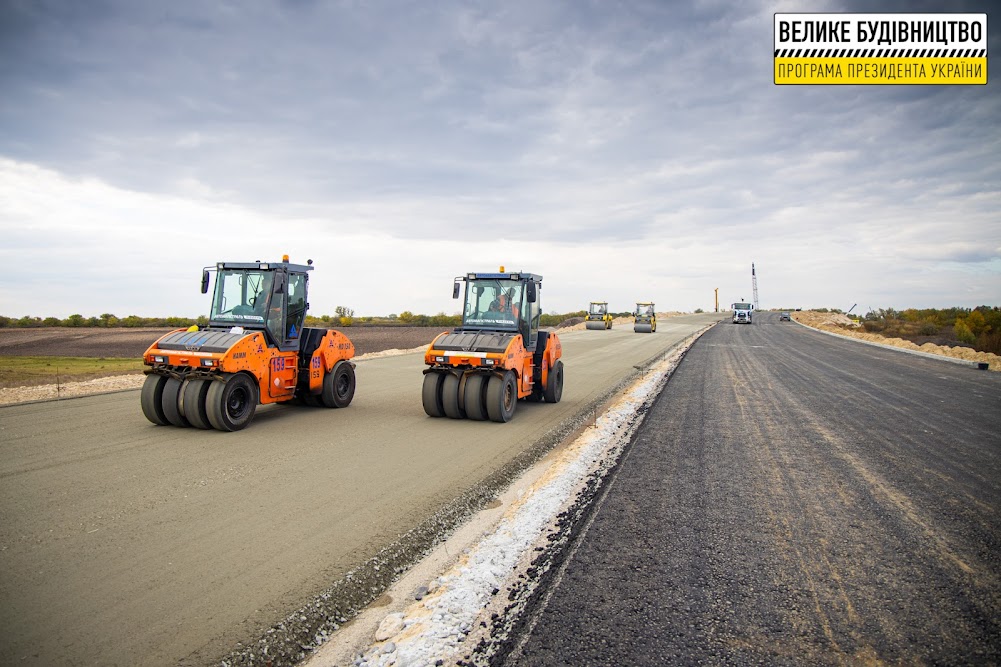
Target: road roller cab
[255, 350]
[646, 317]
[598, 316]
[497, 356]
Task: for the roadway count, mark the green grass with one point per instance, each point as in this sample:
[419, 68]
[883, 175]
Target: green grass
[26, 371]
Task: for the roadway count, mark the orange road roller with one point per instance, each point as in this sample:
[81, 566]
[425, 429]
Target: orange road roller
[254, 351]
[497, 356]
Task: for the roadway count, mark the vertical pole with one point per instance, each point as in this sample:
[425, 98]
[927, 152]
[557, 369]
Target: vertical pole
[717, 299]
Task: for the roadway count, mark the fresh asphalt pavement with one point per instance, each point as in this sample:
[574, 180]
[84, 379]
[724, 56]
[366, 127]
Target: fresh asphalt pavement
[791, 498]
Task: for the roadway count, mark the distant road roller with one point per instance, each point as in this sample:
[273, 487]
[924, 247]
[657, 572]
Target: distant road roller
[646, 317]
[254, 350]
[598, 316]
[497, 356]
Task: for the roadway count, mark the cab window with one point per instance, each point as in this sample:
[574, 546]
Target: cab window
[296, 310]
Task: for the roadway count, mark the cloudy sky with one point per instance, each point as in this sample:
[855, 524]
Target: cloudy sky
[629, 150]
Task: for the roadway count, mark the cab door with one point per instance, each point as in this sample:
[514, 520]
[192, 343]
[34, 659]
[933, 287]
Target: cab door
[283, 369]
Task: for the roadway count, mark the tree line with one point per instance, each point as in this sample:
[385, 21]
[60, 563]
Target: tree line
[106, 320]
[343, 317]
[979, 327]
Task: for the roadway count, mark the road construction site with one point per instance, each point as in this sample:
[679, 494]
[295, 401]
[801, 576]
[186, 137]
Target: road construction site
[128, 543]
[786, 497]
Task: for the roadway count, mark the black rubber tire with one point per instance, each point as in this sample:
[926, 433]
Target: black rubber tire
[171, 401]
[452, 399]
[474, 395]
[502, 397]
[339, 385]
[152, 399]
[431, 394]
[193, 395]
[538, 391]
[554, 383]
[230, 405]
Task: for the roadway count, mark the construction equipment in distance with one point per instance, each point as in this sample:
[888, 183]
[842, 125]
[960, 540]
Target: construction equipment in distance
[742, 312]
[646, 317]
[254, 350]
[497, 355]
[598, 316]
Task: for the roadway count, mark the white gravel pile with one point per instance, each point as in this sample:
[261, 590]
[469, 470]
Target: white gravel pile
[49, 392]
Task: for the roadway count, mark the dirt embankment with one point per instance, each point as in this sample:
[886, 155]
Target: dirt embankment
[844, 326]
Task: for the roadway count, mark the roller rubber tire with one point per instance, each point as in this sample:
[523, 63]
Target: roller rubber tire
[538, 390]
[152, 399]
[451, 396]
[554, 384]
[339, 385]
[171, 402]
[193, 395]
[474, 395]
[231, 404]
[431, 394]
[502, 397]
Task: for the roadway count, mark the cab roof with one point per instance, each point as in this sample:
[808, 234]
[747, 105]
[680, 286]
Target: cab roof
[264, 266]
[513, 275]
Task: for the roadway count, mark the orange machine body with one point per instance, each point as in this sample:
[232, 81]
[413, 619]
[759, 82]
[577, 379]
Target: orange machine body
[277, 373]
[514, 357]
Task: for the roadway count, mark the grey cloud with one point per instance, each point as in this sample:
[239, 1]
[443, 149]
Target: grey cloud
[587, 122]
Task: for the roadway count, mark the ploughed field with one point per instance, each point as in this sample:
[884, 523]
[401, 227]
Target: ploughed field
[97, 342]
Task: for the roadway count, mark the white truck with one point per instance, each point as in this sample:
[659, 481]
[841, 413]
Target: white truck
[742, 312]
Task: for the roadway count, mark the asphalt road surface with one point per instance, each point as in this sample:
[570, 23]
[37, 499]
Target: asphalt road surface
[126, 543]
[790, 499]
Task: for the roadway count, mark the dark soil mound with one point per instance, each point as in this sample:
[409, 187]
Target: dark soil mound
[569, 323]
